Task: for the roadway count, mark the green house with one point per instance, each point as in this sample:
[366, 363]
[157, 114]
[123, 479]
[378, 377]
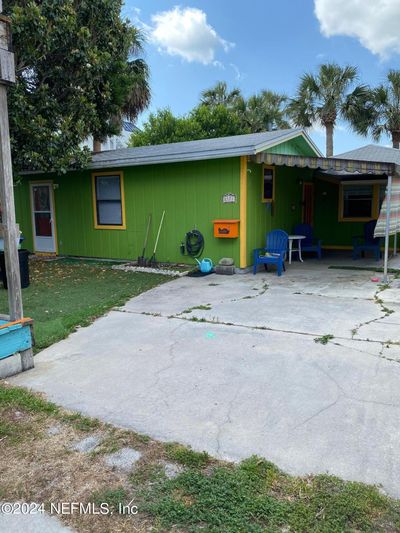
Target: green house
[249, 183]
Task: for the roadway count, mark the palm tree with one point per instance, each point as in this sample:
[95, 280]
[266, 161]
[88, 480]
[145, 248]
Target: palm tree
[382, 115]
[139, 94]
[325, 97]
[264, 111]
[219, 94]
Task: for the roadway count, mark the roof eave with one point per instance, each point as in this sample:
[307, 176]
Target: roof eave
[175, 158]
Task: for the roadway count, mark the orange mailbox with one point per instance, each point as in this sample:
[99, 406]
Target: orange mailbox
[226, 229]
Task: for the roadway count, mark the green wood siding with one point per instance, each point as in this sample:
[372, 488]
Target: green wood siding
[284, 213]
[191, 193]
[297, 146]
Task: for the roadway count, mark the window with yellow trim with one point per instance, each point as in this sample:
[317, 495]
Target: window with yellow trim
[108, 198]
[268, 184]
[361, 201]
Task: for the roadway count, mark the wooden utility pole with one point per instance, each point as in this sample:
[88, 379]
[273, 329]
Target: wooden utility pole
[7, 76]
[10, 231]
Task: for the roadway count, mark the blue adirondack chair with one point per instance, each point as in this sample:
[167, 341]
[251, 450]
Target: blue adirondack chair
[367, 242]
[274, 251]
[310, 243]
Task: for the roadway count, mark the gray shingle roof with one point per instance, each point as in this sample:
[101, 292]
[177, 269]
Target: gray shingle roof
[194, 150]
[373, 152]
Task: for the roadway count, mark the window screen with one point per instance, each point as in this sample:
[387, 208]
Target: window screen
[108, 200]
[357, 201]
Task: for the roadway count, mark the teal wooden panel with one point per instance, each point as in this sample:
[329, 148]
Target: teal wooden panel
[14, 339]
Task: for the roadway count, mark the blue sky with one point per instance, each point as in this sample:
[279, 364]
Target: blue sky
[263, 44]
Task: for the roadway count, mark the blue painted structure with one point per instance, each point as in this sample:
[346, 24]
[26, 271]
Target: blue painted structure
[310, 243]
[14, 337]
[368, 242]
[274, 252]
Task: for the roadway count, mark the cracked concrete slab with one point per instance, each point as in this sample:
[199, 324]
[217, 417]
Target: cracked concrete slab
[32, 523]
[234, 390]
[380, 331]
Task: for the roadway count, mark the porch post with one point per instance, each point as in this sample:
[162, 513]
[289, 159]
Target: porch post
[387, 229]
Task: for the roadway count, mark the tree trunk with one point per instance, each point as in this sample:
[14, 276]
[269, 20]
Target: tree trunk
[396, 139]
[329, 139]
[96, 145]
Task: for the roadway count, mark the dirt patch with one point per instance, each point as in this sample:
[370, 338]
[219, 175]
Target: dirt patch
[38, 465]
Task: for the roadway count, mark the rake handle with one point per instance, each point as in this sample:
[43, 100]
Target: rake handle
[158, 233]
[147, 235]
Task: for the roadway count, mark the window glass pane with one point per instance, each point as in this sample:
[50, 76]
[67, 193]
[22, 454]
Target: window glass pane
[108, 188]
[357, 201]
[109, 213]
[43, 224]
[41, 197]
[268, 185]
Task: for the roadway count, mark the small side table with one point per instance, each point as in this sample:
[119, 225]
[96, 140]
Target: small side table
[297, 238]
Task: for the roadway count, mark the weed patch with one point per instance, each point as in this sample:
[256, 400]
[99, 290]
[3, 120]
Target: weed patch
[186, 456]
[324, 339]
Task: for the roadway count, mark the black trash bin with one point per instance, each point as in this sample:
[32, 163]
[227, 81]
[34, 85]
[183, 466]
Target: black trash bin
[23, 268]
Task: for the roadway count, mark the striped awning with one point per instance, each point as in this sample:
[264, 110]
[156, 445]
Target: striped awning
[394, 219]
[326, 163]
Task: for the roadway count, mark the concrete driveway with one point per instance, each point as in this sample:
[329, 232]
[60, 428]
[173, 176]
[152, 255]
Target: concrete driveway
[230, 365]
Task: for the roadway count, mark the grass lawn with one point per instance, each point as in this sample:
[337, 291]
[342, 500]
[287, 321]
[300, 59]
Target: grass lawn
[39, 465]
[66, 293]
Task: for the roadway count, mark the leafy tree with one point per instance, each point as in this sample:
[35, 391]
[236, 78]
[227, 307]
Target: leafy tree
[325, 97]
[221, 113]
[77, 71]
[203, 122]
[220, 95]
[163, 127]
[381, 114]
[263, 111]
[217, 121]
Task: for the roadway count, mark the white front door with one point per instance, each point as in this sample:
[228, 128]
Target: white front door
[43, 217]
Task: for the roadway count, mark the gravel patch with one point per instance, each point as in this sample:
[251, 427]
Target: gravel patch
[123, 459]
[172, 470]
[87, 444]
[150, 270]
[53, 430]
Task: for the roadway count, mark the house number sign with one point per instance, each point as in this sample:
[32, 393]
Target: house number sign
[229, 198]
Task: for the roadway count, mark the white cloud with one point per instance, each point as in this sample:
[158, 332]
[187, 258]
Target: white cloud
[185, 32]
[238, 74]
[375, 23]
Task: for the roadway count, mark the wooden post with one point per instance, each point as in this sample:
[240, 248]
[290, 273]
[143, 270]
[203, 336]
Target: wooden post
[8, 213]
[10, 232]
